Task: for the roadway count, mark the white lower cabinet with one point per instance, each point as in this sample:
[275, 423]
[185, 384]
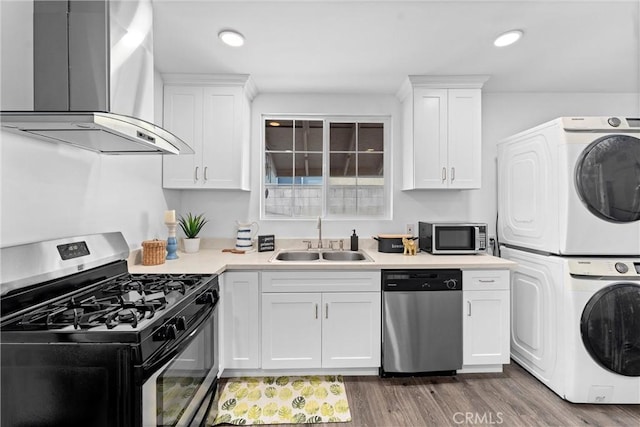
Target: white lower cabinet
[241, 319]
[485, 317]
[315, 329]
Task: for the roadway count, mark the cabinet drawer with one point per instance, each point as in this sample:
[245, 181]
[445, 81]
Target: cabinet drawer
[320, 281]
[487, 280]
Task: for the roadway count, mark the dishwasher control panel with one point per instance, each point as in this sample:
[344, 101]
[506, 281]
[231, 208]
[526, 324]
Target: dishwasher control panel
[421, 280]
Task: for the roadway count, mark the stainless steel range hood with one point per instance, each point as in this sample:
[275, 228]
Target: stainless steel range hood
[93, 79]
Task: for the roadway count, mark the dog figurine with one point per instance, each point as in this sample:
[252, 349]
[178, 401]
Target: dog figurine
[409, 246]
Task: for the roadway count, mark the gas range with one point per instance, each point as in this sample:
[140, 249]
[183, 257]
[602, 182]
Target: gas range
[70, 310]
[130, 302]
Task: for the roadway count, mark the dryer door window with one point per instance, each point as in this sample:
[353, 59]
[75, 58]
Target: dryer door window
[608, 178]
[610, 328]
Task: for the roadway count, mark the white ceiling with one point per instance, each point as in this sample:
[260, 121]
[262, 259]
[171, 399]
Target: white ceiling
[362, 46]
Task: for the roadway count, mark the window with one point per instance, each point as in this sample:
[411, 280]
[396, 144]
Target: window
[322, 166]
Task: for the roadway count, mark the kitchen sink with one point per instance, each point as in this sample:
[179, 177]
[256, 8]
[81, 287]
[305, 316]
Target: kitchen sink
[344, 256]
[297, 256]
[330, 256]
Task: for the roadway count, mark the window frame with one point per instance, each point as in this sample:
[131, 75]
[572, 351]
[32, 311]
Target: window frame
[327, 119]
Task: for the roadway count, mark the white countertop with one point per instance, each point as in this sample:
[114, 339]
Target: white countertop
[214, 261]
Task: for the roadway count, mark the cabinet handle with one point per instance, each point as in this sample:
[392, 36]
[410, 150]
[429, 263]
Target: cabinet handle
[468, 308]
[444, 174]
[326, 310]
[316, 311]
[206, 168]
[196, 174]
[453, 174]
[486, 280]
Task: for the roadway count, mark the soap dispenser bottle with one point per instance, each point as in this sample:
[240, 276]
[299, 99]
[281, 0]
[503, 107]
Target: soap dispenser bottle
[354, 241]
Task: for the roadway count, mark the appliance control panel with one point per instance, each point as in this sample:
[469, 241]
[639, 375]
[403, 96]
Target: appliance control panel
[605, 267]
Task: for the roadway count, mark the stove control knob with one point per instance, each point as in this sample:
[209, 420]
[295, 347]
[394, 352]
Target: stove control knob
[170, 332]
[181, 323]
[621, 267]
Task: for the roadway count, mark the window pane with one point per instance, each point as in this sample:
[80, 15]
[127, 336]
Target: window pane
[308, 165]
[342, 137]
[278, 135]
[370, 137]
[308, 136]
[342, 165]
[370, 199]
[307, 200]
[341, 199]
[278, 200]
[370, 164]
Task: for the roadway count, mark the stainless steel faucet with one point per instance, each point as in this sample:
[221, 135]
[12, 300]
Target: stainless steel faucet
[319, 226]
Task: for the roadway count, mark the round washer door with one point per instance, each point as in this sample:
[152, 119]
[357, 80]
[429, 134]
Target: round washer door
[610, 328]
[608, 178]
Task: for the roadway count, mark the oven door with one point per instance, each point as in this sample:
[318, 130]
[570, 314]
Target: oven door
[177, 383]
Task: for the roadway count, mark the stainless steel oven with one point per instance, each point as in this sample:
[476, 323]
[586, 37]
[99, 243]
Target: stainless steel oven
[83, 342]
[175, 390]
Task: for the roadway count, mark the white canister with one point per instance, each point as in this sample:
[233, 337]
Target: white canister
[246, 232]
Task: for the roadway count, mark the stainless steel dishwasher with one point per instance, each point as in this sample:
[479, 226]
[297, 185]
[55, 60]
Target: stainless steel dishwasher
[422, 322]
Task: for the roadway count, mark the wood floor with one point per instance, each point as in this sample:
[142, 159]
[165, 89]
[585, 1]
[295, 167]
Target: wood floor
[512, 398]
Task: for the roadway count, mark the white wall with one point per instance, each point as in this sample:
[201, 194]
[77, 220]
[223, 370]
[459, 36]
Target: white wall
[503, 115]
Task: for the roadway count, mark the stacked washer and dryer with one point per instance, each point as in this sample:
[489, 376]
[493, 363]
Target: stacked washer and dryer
[569, 215]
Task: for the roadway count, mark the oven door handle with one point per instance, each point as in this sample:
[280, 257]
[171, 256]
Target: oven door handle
[158, 361]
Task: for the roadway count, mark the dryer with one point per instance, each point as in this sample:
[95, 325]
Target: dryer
[575, 324]
[571, 186]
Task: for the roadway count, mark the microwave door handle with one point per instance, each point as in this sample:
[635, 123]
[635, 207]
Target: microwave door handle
[477, 239]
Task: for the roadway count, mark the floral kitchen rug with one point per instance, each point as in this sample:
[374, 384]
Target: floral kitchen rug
[282, 400]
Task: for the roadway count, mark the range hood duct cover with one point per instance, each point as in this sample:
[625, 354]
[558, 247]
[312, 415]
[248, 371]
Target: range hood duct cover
[93, 76]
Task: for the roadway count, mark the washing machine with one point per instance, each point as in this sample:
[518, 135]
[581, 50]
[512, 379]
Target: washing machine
[575, 324]
[571, 186]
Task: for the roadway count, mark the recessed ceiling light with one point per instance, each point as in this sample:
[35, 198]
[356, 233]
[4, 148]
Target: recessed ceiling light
[508, 38]
[231, 37]
[274, 124]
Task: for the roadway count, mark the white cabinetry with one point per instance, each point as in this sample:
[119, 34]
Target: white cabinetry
[241, 319]
[485, 318]
[441, 125]
[331, 321]
[212, 115]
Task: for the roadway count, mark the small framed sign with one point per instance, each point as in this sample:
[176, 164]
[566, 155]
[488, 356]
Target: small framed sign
[266, 243]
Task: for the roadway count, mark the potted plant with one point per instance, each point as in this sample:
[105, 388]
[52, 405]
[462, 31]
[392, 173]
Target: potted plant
[191, 225]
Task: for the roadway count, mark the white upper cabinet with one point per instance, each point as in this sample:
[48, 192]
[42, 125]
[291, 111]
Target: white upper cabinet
[441, 127]
[211, 114]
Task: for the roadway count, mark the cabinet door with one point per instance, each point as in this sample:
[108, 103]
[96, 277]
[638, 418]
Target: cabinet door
[464, 138]
[351, 330]
[291, 330]
[430, 134]
[486, 327]
[241, 322]
[223, 146]
[183, 116]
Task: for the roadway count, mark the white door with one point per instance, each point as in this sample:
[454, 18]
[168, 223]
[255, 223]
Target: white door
[241, 322]
[486, 327]
[464, 148]
[291, 330]
[222, 137]
[430, 137]
[351, 330]
[183, 117]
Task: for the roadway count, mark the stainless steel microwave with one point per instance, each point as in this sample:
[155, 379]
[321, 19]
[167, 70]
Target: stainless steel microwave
[452, 237]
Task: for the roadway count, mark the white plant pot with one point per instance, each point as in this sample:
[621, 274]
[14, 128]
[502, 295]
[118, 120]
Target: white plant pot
[191, 245]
